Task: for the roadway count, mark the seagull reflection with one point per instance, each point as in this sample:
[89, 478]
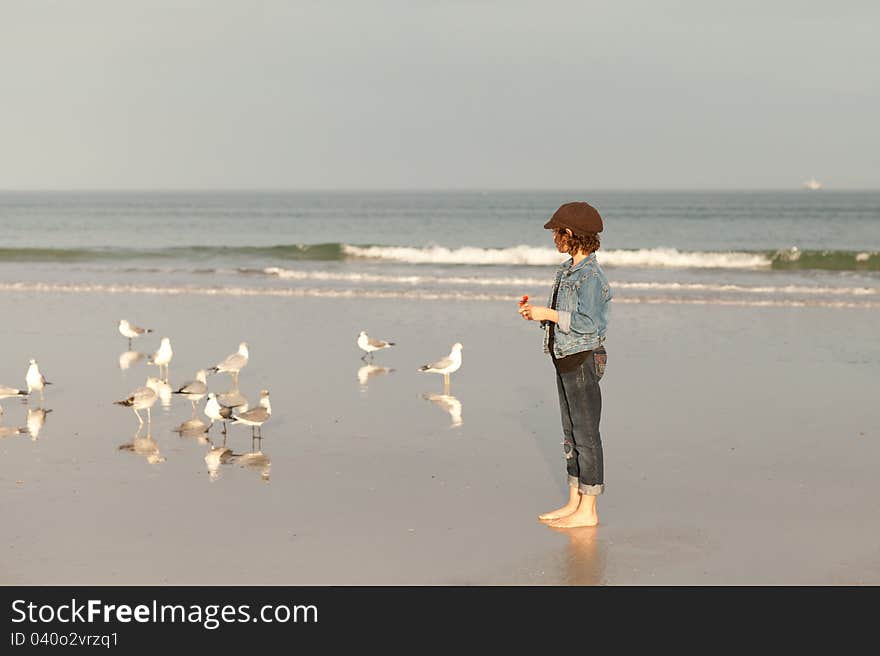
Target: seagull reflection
[162, 389]
[36, 419]
[448, 403]
[9, 431]
[144, 446]
[256, 459]
[194, 428]
[371, 371]
[128, 358]
[216, 456]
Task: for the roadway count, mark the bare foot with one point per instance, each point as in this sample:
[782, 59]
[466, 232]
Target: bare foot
[576, 519]
[566, 510]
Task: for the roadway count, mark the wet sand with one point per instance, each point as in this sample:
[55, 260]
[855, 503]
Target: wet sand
[740, 448]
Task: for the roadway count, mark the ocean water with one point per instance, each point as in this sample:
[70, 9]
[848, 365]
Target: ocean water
[795, 248]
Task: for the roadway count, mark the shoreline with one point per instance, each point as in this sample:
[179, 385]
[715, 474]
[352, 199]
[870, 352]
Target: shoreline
[714, 422]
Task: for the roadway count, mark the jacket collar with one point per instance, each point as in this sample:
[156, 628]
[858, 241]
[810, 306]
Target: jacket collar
[566, 266]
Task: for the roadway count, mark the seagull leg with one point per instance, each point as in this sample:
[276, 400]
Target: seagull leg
[138, 415]
[129, 343]
[149, 417]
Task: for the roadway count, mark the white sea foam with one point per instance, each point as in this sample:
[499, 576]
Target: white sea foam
[423, 295]
[541, 256]
[513, 281]
[522, 255]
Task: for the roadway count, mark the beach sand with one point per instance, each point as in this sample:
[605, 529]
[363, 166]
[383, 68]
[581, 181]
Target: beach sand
[740, 448]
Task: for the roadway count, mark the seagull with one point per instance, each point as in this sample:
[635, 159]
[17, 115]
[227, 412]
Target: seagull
[35, 380]
[142, 398]
[255, 417]
[6, 392]
[131, 331]
[162, 390]
[233, 363]
[216, 412]
[162, 357]
[369, 344]
[195, 390]
[233, 399]
[450, 364]
[36, 418]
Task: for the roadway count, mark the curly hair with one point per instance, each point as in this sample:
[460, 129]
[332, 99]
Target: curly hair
[571, 244]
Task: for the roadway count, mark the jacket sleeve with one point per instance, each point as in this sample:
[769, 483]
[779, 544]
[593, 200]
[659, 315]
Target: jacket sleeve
[588, 299]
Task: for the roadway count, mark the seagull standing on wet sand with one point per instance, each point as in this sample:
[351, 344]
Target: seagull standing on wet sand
[256, 417]
[448, 365]
[131, 331]
[195, 390]
[216, 412]
[370, 344]
[234, 363]
[35, 380]
[162, 357]
[142, 398]
[6, 392]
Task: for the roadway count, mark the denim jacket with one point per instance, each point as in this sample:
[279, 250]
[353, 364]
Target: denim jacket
[583, 304]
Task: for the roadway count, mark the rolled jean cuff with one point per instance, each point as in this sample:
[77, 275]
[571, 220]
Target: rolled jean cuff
[573, 481]
[591, 490]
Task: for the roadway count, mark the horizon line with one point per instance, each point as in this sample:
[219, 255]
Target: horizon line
[416, 189]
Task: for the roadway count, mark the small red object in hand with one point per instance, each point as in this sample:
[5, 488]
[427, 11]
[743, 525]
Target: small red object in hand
[524, 299]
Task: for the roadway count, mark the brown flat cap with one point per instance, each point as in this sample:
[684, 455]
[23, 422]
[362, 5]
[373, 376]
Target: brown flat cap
[580, 217]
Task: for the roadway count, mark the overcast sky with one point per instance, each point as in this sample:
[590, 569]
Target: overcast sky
[438, 94]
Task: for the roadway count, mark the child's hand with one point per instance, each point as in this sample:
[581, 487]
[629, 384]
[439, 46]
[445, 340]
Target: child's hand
[536, 312]
[526, 311]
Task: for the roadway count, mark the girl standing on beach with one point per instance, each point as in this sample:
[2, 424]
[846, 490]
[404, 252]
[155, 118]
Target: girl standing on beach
[574, 333]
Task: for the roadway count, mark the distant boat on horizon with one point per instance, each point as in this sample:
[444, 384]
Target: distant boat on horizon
[813, 184]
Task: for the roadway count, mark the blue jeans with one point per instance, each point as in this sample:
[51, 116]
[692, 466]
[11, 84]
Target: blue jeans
[580, 403]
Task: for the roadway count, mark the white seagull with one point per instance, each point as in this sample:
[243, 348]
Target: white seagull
[35, 380]
[142, 398]
[195, 390]
[234, 363]
[255, 417]
[162, 390]
[6, 392]
[369, 344]
[448, 365]
[216, 412]
[162, 357]
[131, 331]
